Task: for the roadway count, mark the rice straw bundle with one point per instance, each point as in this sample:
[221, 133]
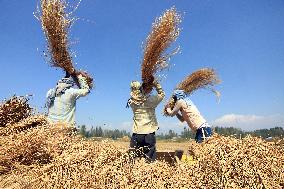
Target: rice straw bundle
[14, 110]
[203, 78]
[165, 31]
[56, 23]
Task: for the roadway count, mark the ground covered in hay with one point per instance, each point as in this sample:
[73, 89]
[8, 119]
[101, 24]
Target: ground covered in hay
[35, 154]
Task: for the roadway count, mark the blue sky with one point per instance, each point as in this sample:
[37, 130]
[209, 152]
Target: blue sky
[242, 40]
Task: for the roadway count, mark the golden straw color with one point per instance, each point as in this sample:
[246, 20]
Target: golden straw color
[203, 78]
[14, 110]
[56, 22]
[165, 31]
[53, 156]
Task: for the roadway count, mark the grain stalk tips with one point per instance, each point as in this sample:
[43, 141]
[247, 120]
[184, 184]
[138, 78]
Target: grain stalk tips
[56, 18]
[56, 24]
[165, 31]
[205, 78]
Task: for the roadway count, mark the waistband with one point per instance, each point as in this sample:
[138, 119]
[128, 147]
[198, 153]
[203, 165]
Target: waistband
[145, 134]
[204, 125]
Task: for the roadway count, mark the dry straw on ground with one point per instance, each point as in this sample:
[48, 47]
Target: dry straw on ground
[165, 31]
[45, 157]
[48, 156]
[14, 110]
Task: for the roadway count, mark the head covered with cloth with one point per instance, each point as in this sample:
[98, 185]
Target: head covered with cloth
[61, 86]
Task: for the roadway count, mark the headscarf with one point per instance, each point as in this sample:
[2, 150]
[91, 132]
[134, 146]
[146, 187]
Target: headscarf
[62, 85]
[180, 94]
[137, 95]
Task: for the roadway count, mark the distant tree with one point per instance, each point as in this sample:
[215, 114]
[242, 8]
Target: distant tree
[83, 131]
[187, 133]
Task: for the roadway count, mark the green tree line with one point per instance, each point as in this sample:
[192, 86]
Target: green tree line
[104, 133]
[187, 133]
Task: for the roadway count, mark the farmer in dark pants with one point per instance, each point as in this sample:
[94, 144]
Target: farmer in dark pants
[146, 145]
[145, 122]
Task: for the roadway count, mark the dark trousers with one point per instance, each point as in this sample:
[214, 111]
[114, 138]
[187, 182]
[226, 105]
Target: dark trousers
[202, 133]
[145, 145]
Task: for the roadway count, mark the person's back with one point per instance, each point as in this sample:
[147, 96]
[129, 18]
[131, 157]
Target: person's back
[144, 119]
[190, 113]
[63, 100]
[144, 115]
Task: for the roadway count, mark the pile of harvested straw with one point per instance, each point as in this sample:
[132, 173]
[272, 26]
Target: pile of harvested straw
[165, 31]
[27, 123]
[13, 110]
[56, 22]
[221, 162]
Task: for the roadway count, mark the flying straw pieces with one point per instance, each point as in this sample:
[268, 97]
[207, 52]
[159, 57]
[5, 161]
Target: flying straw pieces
[14, 110]
[165, 31]
[56, 23]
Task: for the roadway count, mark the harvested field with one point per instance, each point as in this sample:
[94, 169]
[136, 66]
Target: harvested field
[53, 156]
[50, 157]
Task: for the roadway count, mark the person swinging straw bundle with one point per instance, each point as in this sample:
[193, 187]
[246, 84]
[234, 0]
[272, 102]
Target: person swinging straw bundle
[181, 103]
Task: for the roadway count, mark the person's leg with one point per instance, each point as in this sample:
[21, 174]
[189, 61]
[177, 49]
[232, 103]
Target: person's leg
[135, 143]
[208, 132]
[150, 147]
[198, 135]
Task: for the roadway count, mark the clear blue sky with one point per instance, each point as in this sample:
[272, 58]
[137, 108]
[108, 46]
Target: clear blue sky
[242, 40]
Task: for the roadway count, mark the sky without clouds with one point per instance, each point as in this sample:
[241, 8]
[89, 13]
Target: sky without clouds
[242, 40]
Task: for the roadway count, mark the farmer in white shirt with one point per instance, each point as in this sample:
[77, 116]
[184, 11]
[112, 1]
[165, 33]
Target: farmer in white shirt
[61, 100]
[190, 114]
[145, 122]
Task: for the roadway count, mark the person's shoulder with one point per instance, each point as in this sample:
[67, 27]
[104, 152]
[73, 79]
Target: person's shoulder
[50, 91]
[71, 91]
[181, 102]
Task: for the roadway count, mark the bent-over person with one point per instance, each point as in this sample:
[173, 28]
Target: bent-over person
[190, 114]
